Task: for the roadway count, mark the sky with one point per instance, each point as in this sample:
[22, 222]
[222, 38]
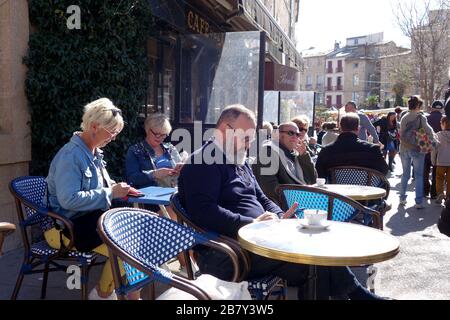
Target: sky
[322, 22]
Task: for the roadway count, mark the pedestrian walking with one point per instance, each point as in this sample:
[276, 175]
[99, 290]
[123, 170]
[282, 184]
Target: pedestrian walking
[440, 158]
[409, 151]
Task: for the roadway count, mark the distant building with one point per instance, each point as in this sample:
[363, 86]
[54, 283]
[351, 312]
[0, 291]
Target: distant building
[352, 72]
[313, 76]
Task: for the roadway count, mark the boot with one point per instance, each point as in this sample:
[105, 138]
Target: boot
[391, 160]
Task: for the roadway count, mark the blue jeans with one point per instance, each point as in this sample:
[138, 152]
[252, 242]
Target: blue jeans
[417, 160]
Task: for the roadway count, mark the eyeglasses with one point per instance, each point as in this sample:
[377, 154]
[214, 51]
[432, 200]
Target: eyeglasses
[303, 129]
[246, 139]
[159, 135]
[112, 134]
[291, 133]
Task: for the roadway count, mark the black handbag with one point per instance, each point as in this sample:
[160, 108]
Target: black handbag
[85, 233]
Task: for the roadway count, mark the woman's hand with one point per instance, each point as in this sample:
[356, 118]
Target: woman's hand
[164, 172]
[178, 168]
[301, 147]
[120, 190]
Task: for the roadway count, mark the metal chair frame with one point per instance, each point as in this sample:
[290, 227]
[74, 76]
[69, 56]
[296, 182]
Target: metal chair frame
[331, 197]
[154, 273]
[244, 259]
[370, 180]
[32, 260]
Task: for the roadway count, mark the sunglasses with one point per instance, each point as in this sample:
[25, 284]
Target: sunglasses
[114, 111]
[303, 129]
[291, 133]
[159, 135]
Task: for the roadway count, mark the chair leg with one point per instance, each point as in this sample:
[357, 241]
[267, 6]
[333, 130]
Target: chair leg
[84, 281]
[18, 285]
[151, 291]
[44, 282]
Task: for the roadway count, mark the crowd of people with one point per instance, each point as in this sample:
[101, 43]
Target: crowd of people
[222, 197]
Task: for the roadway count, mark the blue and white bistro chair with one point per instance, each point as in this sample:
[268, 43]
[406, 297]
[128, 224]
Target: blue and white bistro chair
[144, 241]
[261, 288]
[29, 193]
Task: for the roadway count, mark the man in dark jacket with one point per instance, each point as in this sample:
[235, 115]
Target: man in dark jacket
[288, 157]
[223, 195]
[348, 150]
[434, 120]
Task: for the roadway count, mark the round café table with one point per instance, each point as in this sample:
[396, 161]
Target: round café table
[355, 192]
[341, 244]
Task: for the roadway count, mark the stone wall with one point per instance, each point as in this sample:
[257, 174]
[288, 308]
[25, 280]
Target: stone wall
[15, 139]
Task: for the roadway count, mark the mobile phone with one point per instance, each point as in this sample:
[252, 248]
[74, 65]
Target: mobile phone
[136, 195]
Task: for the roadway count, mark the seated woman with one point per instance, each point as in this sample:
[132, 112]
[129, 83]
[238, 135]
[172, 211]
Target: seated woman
[151, 162]
[80, 188]
[154, 163]
[302, 123]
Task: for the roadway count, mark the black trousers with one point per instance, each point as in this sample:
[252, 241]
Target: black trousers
[331, 281]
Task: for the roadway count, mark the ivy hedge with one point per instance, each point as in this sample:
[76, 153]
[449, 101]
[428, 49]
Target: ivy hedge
[69, 68]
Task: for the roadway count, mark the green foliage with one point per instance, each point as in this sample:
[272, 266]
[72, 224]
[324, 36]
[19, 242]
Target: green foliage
[372, 101]
[69, 68]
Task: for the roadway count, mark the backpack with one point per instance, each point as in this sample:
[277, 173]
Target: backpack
[408, 135]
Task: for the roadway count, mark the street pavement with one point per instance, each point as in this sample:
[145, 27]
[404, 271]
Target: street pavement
[421, 271]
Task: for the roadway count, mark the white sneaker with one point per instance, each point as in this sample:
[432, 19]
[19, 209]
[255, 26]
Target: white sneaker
[419, 206]
[93, 295]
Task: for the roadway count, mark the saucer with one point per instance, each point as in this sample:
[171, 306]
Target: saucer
[325, 224]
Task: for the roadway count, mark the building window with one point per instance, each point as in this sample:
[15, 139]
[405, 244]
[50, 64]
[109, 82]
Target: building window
[308, 80]
[329, 87]
[329, 102]
[355, 65]
[339, 83]
[330, 67]
[355, 80]
[338, 101]
[355, 96]
[339, 67]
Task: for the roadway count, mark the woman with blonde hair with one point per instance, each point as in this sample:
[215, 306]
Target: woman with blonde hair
[80, 189]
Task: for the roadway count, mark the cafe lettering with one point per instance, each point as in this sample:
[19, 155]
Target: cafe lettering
[197, 23]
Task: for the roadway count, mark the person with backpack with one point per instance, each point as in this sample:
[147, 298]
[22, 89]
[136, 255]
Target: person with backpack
[410, 153]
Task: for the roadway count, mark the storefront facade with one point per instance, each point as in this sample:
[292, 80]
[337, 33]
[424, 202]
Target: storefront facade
[202, 60]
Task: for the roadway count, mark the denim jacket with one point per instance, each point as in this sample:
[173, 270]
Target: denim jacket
[140, 163]
[74, 183]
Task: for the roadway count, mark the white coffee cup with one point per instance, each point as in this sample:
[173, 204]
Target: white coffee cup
[320, 182]
[315, 217]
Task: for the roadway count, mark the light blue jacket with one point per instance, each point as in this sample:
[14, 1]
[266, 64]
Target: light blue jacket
[74, 183]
